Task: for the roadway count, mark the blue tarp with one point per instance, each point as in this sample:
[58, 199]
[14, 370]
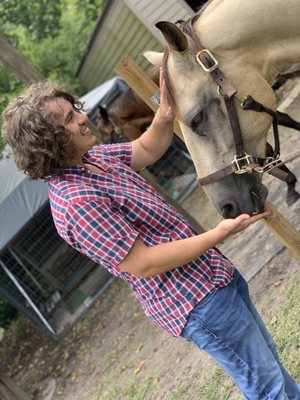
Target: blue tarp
[20, 199]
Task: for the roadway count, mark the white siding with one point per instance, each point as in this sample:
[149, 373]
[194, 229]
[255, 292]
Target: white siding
[118, 33]
[152, 11]
[126, 28]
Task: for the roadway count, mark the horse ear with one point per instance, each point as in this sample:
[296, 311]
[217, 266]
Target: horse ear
[154, 57]
[103, 112]
[173, 36]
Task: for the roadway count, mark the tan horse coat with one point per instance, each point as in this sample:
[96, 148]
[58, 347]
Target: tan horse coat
[253, 42]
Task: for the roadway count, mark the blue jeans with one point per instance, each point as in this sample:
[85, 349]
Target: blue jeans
[227, 326]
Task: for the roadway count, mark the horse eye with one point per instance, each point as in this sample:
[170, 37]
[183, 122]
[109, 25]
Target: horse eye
[196, 123]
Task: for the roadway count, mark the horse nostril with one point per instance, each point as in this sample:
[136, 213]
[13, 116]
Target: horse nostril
[257, 202]
[230, 210]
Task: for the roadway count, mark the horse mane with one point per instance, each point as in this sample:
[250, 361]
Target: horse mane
[203, 7]
[186, 25]
[193, 19]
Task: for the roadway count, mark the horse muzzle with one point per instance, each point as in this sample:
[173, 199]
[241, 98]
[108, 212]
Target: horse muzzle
[237, 195]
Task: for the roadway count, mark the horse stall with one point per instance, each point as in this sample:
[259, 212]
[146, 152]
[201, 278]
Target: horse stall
[41, 276]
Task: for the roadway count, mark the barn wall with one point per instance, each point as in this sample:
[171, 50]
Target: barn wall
[152, 11]
[126, 28]
[118, 33]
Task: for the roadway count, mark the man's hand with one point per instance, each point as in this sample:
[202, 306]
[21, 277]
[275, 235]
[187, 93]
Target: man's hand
[149, 147]
[230, 226]
[165, 112]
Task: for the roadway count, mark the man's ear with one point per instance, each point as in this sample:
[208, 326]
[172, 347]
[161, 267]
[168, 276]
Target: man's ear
[154, 57]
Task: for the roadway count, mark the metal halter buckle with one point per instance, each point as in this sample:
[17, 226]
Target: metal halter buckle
[208, 53]
[242, 164]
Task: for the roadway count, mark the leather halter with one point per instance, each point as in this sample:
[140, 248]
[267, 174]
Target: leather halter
[242, 162]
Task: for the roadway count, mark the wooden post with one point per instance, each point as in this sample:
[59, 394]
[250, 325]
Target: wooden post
[145, 88]
[9, 390]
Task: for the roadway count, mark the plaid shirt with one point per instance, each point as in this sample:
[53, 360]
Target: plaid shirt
[101, 215]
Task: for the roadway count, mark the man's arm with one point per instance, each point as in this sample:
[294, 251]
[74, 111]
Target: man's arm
[143, 261]
[149, 147]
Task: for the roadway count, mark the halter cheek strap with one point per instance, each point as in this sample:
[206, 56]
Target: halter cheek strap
[242, 162]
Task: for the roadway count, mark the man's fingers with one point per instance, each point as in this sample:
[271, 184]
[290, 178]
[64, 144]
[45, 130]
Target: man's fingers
[260, 216]
[161, 76]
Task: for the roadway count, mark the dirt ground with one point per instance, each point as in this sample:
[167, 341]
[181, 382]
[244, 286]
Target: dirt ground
[116, 346]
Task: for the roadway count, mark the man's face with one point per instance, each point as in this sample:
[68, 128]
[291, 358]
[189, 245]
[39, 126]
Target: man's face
[76, 123]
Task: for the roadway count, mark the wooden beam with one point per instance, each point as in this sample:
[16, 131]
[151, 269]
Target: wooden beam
[283, 230]
[145, 88]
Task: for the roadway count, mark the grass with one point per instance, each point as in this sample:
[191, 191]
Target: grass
[285, 329]
[217, 386]
[132, 391]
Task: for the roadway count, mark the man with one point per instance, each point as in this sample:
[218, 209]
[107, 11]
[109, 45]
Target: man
[103, 208]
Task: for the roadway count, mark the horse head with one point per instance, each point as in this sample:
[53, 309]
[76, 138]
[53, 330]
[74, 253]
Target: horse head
[203, 116]
[126, 118]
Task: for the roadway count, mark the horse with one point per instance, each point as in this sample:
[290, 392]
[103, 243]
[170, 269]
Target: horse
[124, 120]
[219, 69]
[127, 117]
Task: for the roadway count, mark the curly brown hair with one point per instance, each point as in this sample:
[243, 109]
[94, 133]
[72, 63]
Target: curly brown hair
[41, 146]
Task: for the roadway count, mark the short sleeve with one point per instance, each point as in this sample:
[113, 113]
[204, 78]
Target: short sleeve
[100, 232]
[122, 151]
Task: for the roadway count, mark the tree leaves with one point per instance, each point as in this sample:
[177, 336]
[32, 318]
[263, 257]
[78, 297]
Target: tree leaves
[41, 18]
[49, 34]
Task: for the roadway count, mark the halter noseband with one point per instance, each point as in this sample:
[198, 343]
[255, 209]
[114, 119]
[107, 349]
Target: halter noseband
[242, 162]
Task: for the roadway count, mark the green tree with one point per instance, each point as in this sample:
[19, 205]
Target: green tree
[10, 86]
[41, 18]
[50, 34]
[58, 59]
